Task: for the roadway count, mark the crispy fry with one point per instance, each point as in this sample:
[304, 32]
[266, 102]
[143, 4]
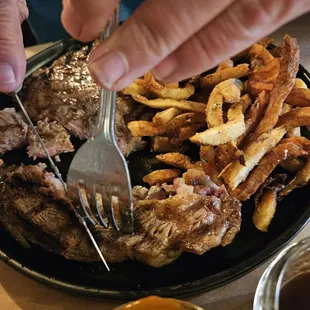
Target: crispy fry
[228, 91]
[163, 117]
[299, 97]
[207, 157]
[137, 87]
[253, 116]
[255, 88]
[301, 179]
[266, 73]
[302, 142]
[161, 176]
[228, 63]
[235, 173]
[176, 160]
[231, 130]
[184, 119]
[295, 132]
[266, 165]
[283, 86]
[286, 108]
[213, 79]
[299, 83]
[246, 101]
[228, 152]
[295, 118]
[163, 91]
[161, 144]
[259, 56]
[265, 210]
[292, 164]
[186, 132]
[145, 129]
[171, 103]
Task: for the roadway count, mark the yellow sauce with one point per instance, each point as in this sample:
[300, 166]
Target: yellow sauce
[157, 303]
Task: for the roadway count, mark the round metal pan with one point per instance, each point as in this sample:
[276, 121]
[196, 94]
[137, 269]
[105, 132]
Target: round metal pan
[130, 280]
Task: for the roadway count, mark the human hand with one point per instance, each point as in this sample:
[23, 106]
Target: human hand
[12, 54]
[174, 39]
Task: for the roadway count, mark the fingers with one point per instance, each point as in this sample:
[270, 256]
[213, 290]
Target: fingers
[155, 30]
[240, 25]
[84, 20]
[12, 54]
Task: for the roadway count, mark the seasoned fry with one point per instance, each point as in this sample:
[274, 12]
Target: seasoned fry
[145, 129]
[185, 133]
[176, 160]
[295, 118]
[299, 83]
[302, 142]
[246, 101]
[171, 103]
[213, 79]
[228, 91]
[255, 88]
[161, 144]
[283, 86]
[259, 56]
[163, 91]
[235, 173]
[299, 97]
[265, 210]
[207, 157]
[292, 164]
[161, 176]
[295, 132]
[231, 130]
[267, 73]
[228, 63]
[286, 108]
[137, 87]
[266, 165]
[253, 117]
[163, 117]
[301, 179]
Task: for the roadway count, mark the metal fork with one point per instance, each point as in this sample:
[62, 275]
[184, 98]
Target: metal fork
[98, 175]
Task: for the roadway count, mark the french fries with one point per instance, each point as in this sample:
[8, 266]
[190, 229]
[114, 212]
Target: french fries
[213, 79]
[299, 97]
[238, 125]
[161, 176]
[288, 69]
[228, 91]
[231, 130]
[207, 158]
[176, 160]
[166, 91]
[162, 118]
[253, 153]
[295, 118]
[171, 103]
[302, 178]
[228, 63]
[265, 210]
[266, 165]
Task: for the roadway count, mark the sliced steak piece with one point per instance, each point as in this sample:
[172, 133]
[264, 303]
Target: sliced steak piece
[65, 92]
[13, 130]
[34, 203]
[54, 136]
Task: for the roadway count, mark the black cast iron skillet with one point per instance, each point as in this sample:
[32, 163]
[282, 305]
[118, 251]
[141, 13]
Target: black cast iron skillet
[131, 280]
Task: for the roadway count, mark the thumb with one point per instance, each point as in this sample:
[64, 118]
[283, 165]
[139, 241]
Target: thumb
[12, 54]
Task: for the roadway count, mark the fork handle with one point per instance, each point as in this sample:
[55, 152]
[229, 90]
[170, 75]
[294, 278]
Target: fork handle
[107, 99]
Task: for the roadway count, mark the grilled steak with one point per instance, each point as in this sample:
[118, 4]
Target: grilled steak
[13, 130]
[65, 92]
[34, 203]
[54, 136]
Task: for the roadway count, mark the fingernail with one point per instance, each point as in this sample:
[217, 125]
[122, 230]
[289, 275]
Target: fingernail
[7, 74]
[108, 69]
